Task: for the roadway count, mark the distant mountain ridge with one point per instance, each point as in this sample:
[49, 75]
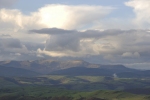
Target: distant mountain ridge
[74, 67]
[47, 66]
[16, 72]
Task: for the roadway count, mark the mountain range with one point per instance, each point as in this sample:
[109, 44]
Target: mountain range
[72, 67]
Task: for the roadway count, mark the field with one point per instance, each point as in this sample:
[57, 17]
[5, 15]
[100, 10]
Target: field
[57, 87]
[87, 83]
[49, 93]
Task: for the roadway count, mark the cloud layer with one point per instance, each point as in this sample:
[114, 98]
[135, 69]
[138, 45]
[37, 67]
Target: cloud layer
[72, 17]
[16, 24]
[75, 32]
[59, 16]
[112, 45]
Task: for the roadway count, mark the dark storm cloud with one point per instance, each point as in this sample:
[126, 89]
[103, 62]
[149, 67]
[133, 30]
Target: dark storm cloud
[62, 43]
[32, 46]
[53, 31]
[10, 48]
[83, 34]
[10, 43]
[14, 49]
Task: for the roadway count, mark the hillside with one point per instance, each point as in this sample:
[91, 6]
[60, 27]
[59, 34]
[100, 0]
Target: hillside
[83, 71]
[47, 93]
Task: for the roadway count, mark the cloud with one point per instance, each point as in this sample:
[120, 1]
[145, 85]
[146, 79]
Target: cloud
[59, 16]
[124, 46]
[11, 45]
[66, 32]
[13, 49]
[131, 55]
[141, 10]
[6, 3]
[16, 24]
[98, 46]
[73, 43]
[53, 31]
[14, 20]
[72, 17]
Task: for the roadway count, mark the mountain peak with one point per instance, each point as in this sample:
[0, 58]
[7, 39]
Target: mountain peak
[48, 65]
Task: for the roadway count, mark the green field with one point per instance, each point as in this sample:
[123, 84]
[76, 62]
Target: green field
[84, 83]
[56, 87]
[87, 83]
[49, 93]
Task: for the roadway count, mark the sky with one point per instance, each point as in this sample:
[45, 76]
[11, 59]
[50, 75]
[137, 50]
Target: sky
[97, 31]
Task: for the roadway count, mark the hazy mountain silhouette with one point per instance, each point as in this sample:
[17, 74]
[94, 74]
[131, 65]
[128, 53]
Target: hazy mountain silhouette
[72, 67]
[16, 72]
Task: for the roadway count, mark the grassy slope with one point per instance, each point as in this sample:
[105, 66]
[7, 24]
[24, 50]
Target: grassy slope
[75, 82]
[78, 82]
[6, 82]
[46, 92]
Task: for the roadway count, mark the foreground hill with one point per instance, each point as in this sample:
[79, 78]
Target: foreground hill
[7, 82]
[47, 93]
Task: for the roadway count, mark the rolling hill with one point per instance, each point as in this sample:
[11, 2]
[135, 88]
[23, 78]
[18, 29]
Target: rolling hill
[77, 71]
[47, 93]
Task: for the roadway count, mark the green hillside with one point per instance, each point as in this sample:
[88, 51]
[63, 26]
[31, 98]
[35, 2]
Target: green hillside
[7, 82]
[56, 87]
[47, 93]
[84, 83]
